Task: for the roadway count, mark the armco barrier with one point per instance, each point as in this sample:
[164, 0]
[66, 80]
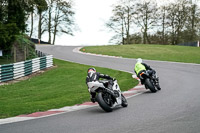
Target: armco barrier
[24, 68]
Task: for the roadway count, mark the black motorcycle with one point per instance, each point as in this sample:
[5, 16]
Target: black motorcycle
[150, 80]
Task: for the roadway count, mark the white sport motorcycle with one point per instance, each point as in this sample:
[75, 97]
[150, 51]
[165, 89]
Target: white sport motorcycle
[107, 98]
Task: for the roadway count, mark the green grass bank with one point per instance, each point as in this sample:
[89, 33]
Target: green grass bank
[61, 86]
[151, 52]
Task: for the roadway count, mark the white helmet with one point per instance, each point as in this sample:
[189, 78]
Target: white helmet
[139, 60]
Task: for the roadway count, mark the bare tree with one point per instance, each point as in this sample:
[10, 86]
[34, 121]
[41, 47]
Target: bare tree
[32, 4]
[162, 23]
[145, 17]
[193, 20]
[121, 20]
[63, 19]
[177, 17]
[41, 7]
[116, 23]
[177, 22]
[49, 23]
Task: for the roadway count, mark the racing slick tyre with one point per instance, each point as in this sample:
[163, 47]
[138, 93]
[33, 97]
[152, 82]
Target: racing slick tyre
[124, 101]
[150, 86]
[104, 102]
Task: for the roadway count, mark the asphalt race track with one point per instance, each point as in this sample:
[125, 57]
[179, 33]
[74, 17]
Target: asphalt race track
[174, 109]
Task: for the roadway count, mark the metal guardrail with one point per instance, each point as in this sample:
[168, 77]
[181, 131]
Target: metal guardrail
[24, 68]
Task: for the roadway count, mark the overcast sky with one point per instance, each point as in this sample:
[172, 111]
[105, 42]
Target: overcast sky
[90, 16]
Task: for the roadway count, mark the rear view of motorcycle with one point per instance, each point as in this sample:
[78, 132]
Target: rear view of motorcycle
[150, 80]
[108, 98]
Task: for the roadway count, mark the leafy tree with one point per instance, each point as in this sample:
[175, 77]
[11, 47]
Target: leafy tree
[3, 10]
[13, 14]
[12, 22]
[7, 35]
[17, 13]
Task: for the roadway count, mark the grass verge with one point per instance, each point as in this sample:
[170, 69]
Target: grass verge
[150, 52]
[62, 86]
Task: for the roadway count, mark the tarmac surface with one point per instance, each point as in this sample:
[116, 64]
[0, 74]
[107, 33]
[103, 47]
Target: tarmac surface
[174, 109]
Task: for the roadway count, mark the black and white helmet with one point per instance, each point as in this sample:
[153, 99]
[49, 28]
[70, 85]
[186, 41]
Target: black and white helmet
[93, 70]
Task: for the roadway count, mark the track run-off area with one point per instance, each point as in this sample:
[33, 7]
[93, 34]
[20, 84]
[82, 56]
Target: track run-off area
[174, 109]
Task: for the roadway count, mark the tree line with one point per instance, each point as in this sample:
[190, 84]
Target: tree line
[143, 21]
[54, 17]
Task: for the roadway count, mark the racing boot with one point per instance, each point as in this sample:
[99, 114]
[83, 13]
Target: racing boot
[92, 97]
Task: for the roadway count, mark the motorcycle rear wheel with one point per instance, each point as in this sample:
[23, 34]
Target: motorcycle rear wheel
[103, 102]
[150, 85]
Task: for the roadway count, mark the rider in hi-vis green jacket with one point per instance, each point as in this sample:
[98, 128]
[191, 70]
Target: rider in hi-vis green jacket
[141, 67]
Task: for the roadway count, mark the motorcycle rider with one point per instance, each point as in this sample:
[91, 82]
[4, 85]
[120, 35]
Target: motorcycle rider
[93, 76]
[142, 67]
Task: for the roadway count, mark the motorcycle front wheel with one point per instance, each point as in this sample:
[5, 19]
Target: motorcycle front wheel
[124, 101]
[104, 102]
[150, 85]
